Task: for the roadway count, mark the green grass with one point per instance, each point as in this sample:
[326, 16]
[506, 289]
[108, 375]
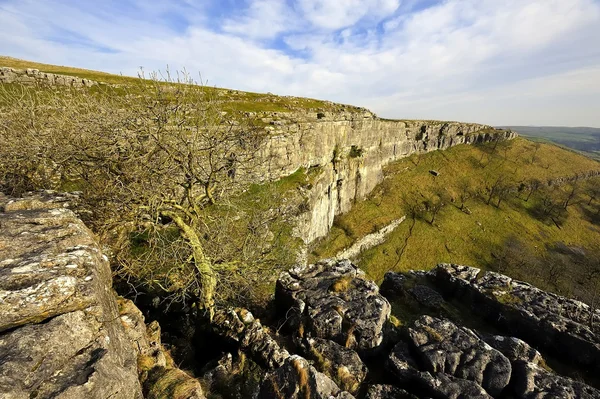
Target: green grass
[233, 100]
[456, 236]
[585, 140]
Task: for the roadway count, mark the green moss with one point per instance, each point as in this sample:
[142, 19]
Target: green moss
[356, 152]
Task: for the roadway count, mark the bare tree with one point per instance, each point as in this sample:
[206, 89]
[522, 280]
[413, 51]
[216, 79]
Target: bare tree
[534, 185]
[465, 191]
[157, 161]
[573, 191]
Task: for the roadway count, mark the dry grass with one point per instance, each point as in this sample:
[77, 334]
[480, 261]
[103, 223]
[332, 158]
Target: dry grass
[302, 378]
[234, 101]
[342, 284]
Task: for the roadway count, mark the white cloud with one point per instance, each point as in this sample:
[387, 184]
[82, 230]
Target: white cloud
[264, 19]
[494, 62]
[336, 14]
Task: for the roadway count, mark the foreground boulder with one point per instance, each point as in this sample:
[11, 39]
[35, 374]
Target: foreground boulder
[532, 381]
[341, 364]
[560, 325]
[446, 348]
[240, 327]
[334, 300]
[298, 379]
[441, 359]
[62, 334]
[406, 373]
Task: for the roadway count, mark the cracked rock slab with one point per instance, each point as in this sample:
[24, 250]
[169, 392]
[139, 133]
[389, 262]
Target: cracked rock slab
[334, 300]
[297, 379]
[60, 331]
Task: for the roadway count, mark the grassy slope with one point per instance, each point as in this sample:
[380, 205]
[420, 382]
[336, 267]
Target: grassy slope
[234, 100]
[583, 139]
[456, 236]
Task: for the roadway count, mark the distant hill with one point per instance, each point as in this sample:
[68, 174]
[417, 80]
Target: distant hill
[583, 139]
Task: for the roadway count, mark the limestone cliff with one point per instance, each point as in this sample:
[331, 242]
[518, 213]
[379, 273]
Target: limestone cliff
[350, 149]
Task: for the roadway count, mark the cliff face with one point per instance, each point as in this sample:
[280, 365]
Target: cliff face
[350, 150]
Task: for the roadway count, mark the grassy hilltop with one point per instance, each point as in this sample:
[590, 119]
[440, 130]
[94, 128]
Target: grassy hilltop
[232, 100]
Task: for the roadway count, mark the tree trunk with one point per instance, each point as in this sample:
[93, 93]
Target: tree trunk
[202, 263]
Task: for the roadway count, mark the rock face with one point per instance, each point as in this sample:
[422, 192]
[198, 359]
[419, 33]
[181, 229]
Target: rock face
[31, 76]
[298, 379]
[239, 326]
[387, 392]
[442, 347]
[329, 141]
[334, 300]
[341, 364]
[555, 323]
[61, 333]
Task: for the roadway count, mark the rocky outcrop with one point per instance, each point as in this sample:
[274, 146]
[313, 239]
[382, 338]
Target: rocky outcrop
[443, 347]
[240, 327]
[158, 373]
[350, 149]
[298, 379]
[558, 324]
[425, 357]
[341, 364]
[32, 76]
[61, 333]
[334, 300]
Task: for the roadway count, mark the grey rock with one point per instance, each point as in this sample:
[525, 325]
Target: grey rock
[514, 349]
[334, 300]
[405, 371]
[388, 392]
[427, 297]
[341, 364]
[531, 381]
[558, 324]
[62, 336]
[443, 347]
[239, 326]
[298, 379]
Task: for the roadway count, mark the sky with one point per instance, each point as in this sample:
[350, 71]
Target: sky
[500, 62]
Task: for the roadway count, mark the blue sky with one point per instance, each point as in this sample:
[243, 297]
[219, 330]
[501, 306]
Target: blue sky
[490, 61]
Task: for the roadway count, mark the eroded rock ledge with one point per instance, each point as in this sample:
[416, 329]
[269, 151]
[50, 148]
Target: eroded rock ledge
[62, 332]
[336, 337]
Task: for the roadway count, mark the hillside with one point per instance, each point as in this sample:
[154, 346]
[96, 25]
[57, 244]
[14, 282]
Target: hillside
[232, 100]
[493, 235]
[583, 139]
